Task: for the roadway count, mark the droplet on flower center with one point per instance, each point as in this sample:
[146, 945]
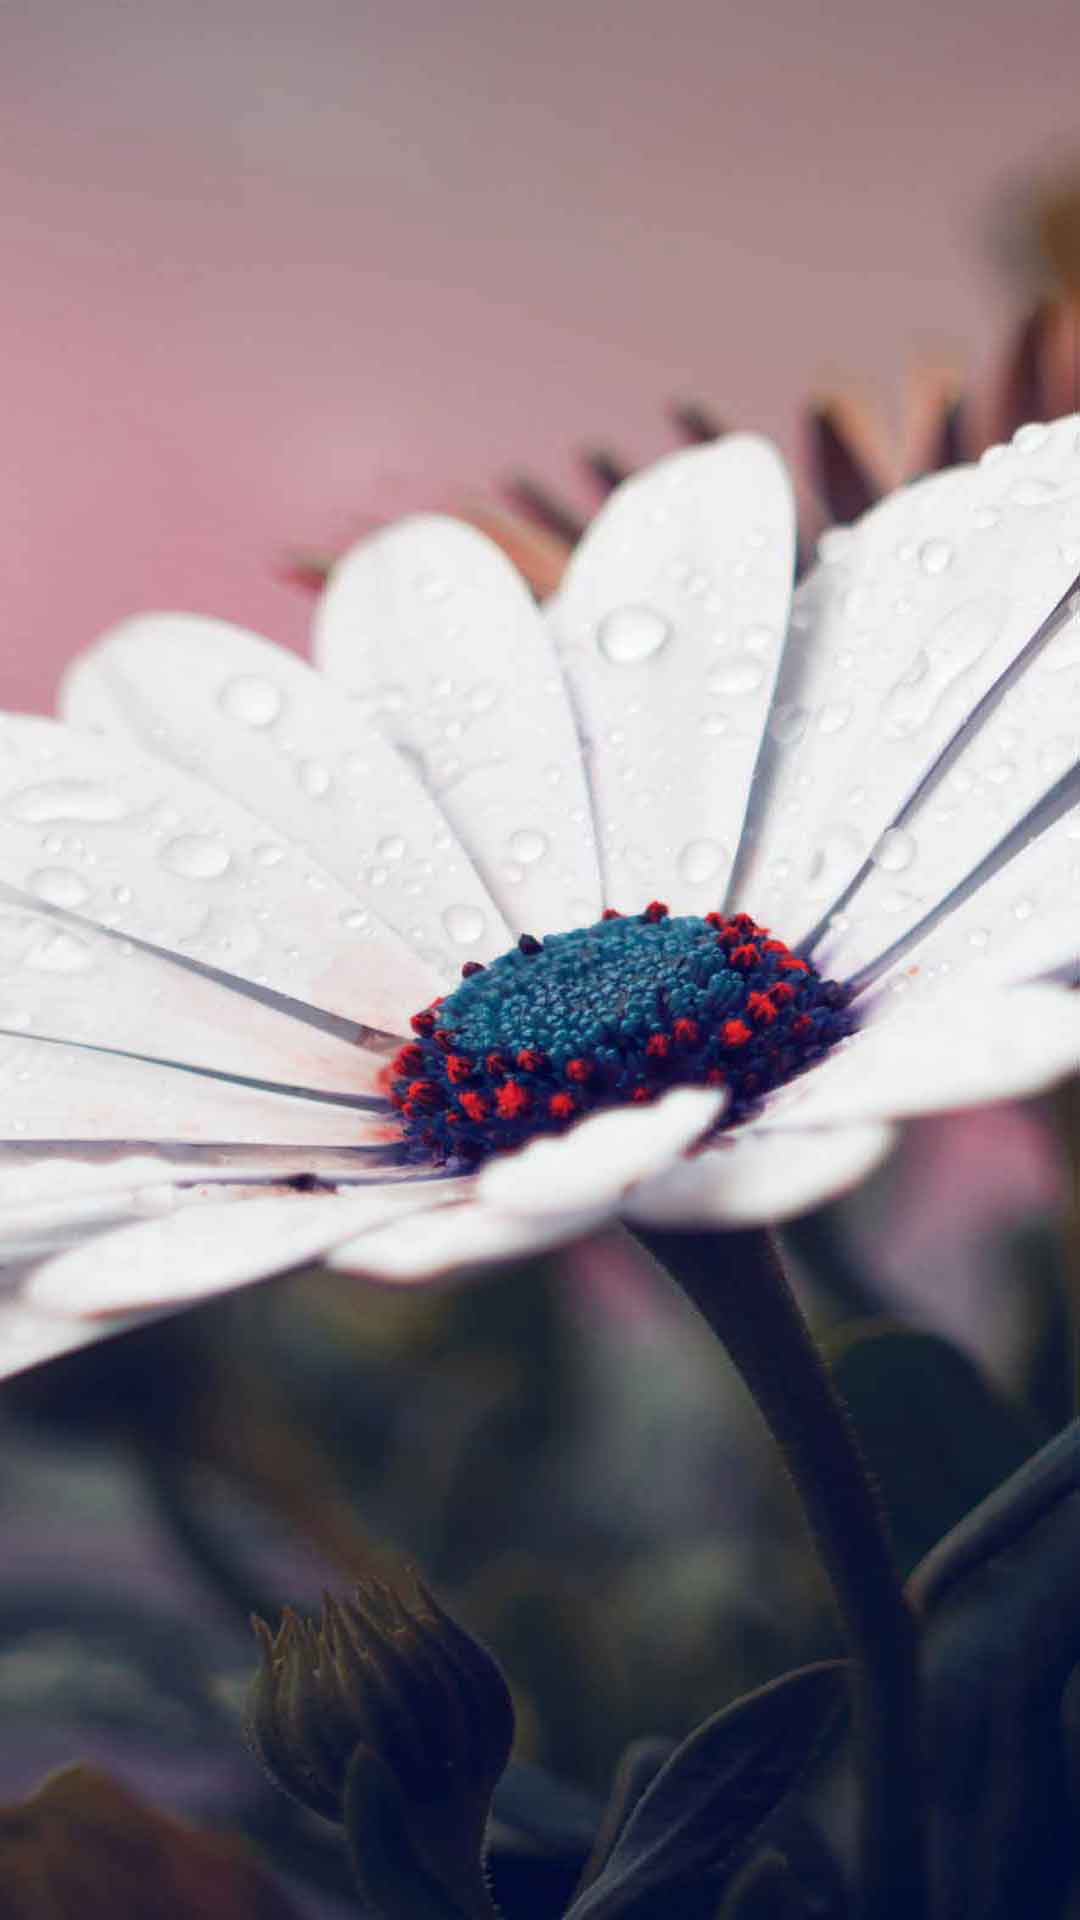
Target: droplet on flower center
[609, 1014]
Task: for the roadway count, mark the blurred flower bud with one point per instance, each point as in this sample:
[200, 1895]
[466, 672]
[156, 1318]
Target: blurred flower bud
[84, 1848]
[390, 1718]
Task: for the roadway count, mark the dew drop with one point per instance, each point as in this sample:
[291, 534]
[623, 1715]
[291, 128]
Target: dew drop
[985, 517]
[628, 635]
[978, 937]
[59, 887]
[314, 778]
[67, 800]
[484, 696]
[1033, 493]
[1023, 910]
[742, 676]
[268, 856]
[894, 851]
[377, 876]
[701, 859]
[465, 925]
[834, 716]
[788, 723]
[356, 918]
[758, 639]
[392, 848]
[832, 859]
[60, 953]
[196, 857]
[935, 556]
[251, 699]
[528, 845]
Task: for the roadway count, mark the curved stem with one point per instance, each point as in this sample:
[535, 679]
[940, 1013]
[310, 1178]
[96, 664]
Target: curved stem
[738, 1285]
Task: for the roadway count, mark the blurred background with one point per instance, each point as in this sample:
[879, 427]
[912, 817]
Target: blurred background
[272, 274]
[272, 270]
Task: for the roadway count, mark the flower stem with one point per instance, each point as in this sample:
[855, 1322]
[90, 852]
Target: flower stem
[738, 1285]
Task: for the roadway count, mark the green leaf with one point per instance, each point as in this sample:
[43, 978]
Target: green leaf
[690, 1830]
[937, 1436]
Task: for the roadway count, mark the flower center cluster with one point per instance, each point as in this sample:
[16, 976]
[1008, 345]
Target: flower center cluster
[615, 1012]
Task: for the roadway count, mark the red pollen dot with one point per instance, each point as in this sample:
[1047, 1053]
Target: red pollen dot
[562, 1105]
[511, 1100]
[656, 910]
[473, 1105]
[423, 1022]
[775, 946]
[745, 956]
[611, 913]
[458, 1067]
[715, 1077]
[495, 1063]
[407, 1062]
[530, 1059]
[742, 923]
[791, 964]
[760, 1007]
[658, 1046]
[578, 1069]
[781, 992]
[735, 1033]
[716, 921]
[640, 1095]
[443, 1038]
[687, 1033]
[801, 1025]
[422, 1094]
[471, 967]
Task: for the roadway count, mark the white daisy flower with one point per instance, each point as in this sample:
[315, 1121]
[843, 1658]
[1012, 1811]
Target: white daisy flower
[736, 885]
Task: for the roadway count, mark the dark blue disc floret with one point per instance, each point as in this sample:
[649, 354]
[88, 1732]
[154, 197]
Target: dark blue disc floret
[608, 1014]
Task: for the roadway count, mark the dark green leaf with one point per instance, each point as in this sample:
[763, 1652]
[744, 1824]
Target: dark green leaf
[937, 1436]
[691, 1829]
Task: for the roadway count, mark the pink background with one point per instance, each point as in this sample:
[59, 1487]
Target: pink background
[273, 269]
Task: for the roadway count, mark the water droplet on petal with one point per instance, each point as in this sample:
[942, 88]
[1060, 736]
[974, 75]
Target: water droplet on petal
[701, 859]
[60, 953]
[1032, 493]
[314, 778]
[628, 635]
[741, 676]
[392, 848]
[59, 887]
[268, 856]
[834, 716]
[788, 723]
[356, 918]
[67, 800]
[935, 556]
[894, 851]
[195, 856]
[251, 699]
[528, 845]
[463, 924]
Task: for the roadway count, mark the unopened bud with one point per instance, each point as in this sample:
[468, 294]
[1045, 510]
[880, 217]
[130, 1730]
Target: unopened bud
[387, 1714]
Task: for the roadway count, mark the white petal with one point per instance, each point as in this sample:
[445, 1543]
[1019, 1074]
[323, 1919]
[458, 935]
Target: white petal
[907, 621]
[594, 1163]
[928, 1052]
[80, 984]
[29, 1339]
[101, 830]
[261, 726]
[61, 1092]
[749, 1178]
[431, 626]
[670, 620]
[210, 1249]
[1019, 924]
[447, 1239]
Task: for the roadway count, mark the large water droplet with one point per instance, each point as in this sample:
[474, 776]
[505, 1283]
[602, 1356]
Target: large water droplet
[60, 953]
[67, 800]
[196, 857]
[251, 699]
[701, 859]
[832, 860]
[894, 851]
[935, 556]
[59, 887]
[628, 635]
[528, 845]
[463, 924]
[957, 642]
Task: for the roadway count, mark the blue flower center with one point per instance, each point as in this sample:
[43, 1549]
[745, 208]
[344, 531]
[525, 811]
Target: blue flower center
[616, 1012]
